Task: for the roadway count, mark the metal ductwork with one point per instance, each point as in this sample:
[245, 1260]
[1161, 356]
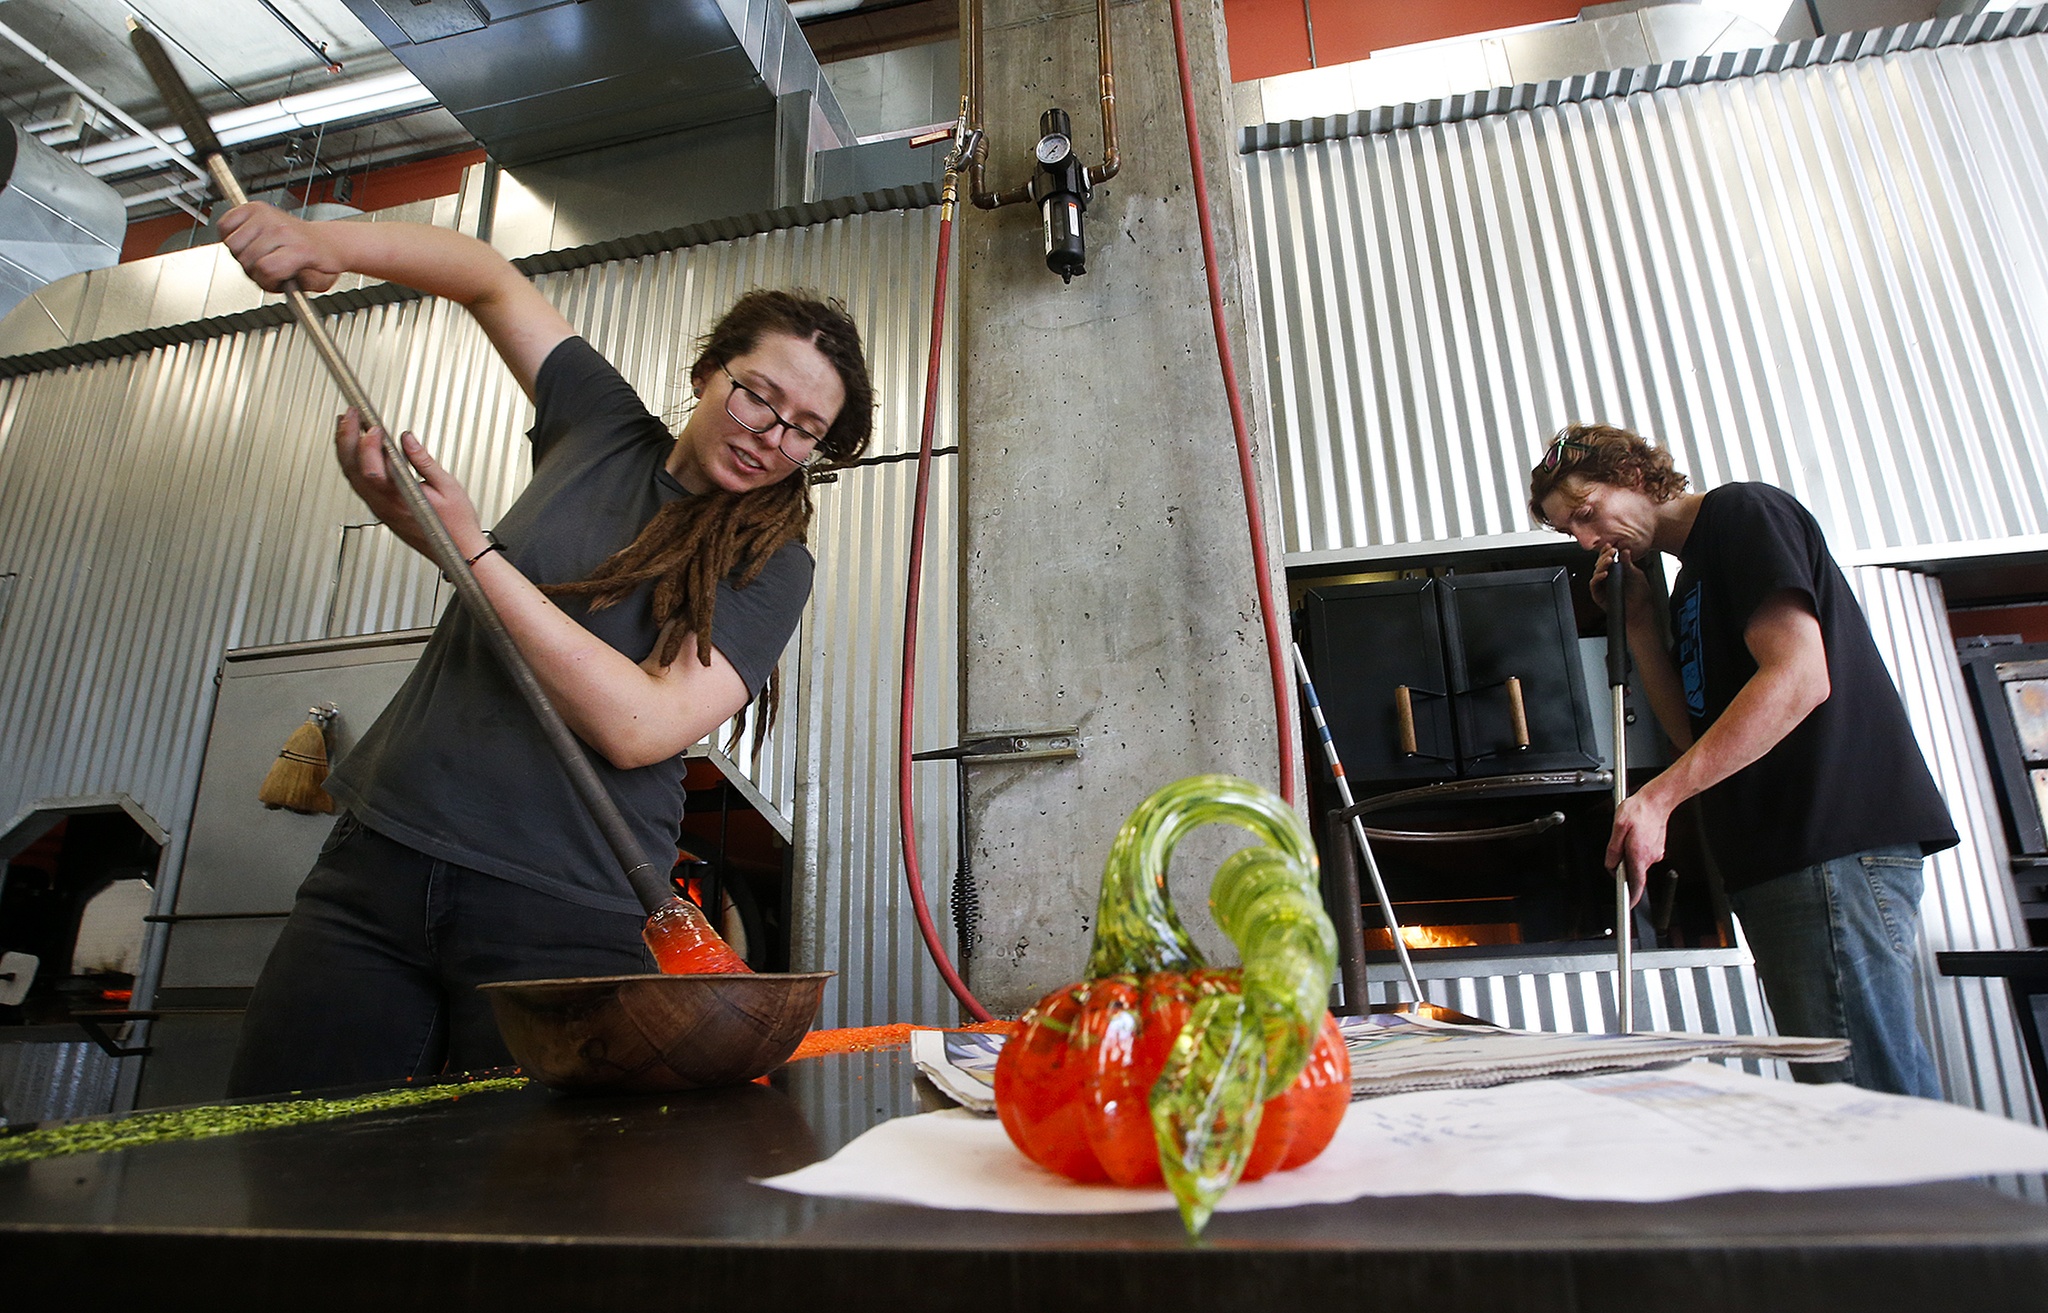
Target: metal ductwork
[55, 218]
[535, 80]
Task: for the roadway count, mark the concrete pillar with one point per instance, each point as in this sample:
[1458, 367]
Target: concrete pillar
[1107, 570]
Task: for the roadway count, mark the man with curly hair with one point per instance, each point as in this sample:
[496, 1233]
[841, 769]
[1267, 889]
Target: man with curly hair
[1817, 803]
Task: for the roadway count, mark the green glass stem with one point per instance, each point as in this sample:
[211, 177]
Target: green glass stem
[1237, 1050]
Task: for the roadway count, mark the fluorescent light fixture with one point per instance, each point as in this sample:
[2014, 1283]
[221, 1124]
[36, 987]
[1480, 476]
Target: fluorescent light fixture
[361, 98]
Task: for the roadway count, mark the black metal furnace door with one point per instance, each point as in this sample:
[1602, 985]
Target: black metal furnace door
[1517, 624]
[1364, 642]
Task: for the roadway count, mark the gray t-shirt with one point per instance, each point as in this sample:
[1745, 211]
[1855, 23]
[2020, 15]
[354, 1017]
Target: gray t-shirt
[457, 767]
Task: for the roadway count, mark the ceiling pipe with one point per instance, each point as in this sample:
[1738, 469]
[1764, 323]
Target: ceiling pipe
[128, 120]
[805, 10]
[177, 193]
[327, 61]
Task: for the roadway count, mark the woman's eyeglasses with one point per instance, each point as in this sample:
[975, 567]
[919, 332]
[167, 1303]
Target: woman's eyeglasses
[798, 445]
[1553, 455]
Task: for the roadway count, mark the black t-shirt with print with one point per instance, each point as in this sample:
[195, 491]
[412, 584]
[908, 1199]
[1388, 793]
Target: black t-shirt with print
[1848, 778]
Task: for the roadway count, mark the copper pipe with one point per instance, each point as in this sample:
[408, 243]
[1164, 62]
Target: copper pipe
[970, 92]
[970, 54]
[1111, 161]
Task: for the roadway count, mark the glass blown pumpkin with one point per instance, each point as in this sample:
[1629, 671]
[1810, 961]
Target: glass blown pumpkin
[1158, 1067]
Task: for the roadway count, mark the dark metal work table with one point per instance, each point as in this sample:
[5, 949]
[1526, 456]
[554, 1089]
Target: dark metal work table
[532, 1200]
[2026, 979]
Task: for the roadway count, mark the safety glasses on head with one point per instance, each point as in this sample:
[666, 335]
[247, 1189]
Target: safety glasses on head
[1555, 454]
[798, 445]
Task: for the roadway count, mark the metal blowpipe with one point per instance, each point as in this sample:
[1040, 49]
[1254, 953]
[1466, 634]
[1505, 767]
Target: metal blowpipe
[650, 884]
[1617, 679]
[1372, 866]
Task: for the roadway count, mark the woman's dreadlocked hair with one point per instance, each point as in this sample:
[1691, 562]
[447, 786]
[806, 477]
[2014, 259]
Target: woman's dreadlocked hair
[691, 544]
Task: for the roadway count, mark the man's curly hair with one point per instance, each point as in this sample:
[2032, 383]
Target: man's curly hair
[1602, 453]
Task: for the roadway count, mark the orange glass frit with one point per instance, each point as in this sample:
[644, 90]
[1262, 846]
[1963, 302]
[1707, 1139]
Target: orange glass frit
[684, 944]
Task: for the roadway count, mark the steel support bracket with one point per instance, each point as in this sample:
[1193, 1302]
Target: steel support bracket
[1011, 745]
[94, 1026]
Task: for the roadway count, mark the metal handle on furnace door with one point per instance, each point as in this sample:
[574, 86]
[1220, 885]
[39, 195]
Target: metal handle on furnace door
[1404, 719]
[1518, 714]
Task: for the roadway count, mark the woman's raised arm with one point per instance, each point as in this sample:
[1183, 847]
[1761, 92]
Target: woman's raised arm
[274, 247]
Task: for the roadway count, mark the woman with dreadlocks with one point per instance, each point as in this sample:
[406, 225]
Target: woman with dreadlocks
[650, 578]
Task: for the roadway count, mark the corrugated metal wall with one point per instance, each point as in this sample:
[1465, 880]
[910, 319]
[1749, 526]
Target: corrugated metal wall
[1829, 275]
[1828, 278]
[1710, 991]
[1969, 902]
[162, 507]
[856, 916]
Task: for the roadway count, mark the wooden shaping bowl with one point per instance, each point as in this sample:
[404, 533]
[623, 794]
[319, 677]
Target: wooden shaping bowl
[654, 1034]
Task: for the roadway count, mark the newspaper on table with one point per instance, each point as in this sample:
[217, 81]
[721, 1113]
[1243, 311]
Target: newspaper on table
[1394, 1053]
[962, 1063]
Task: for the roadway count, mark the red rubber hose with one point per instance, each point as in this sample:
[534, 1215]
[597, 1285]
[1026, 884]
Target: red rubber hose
[906, 813]
[1276, 647]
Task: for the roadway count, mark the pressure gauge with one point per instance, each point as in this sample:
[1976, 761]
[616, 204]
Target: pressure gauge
[1054, 147]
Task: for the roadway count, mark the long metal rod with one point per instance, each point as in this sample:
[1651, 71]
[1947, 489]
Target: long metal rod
[1493, 786]
[1372, 866]
[1523, 830]
[650, 884]
[1617, 679]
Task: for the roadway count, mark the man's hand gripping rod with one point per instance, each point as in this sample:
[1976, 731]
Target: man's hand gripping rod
[649, 883]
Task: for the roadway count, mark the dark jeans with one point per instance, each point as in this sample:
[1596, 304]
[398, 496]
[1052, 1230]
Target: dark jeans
[374, 977]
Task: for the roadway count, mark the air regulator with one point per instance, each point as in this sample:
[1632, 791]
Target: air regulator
[1060, 186]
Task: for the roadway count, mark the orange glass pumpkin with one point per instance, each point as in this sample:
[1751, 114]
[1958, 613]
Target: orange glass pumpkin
[1158, 1067]
[1072, 1083]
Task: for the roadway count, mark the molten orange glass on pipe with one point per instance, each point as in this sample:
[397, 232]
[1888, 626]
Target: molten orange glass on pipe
[684, 944]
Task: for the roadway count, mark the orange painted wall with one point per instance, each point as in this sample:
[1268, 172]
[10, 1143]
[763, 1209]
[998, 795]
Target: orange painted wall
[1269, 37]
[2029, 622]
[379, 189]
[146, 235]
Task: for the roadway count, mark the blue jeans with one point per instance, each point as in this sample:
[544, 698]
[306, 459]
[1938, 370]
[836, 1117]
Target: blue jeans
[1836, 946]
[374, 976]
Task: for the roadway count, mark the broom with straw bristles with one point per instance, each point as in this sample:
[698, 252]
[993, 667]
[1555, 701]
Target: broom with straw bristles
[297, 777]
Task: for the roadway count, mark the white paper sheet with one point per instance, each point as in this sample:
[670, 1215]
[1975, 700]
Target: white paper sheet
[1636, 1136]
